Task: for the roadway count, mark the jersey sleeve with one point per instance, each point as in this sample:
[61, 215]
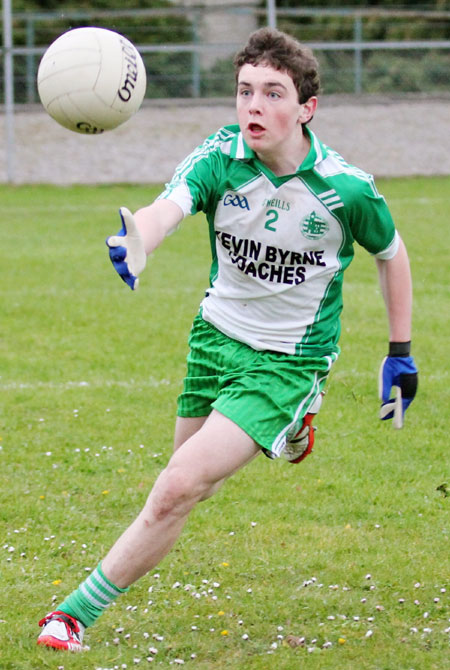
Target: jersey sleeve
[195, 180]
[391, 250]
[371, 222]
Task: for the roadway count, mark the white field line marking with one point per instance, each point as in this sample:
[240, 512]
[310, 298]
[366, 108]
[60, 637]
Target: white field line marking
[151, 382]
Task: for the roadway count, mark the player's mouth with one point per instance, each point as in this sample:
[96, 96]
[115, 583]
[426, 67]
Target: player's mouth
[255, 129]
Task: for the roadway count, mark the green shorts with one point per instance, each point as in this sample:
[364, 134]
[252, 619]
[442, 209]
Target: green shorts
[266, 393]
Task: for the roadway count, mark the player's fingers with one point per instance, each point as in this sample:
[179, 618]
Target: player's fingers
[128, 222]
[114, 241]
[128, 277]
[387, 409]
[398, 409]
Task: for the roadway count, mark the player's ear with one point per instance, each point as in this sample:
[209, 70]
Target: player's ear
[307, 110]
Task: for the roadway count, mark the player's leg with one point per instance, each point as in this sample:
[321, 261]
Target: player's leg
[196, 470]
[207, 458]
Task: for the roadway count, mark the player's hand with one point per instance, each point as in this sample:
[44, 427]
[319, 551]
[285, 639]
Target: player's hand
[126, 250]
[400, 372]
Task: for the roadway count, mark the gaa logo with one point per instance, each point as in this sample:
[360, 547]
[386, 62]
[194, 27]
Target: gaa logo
[236, 200]
[313, 227]
[85, 127]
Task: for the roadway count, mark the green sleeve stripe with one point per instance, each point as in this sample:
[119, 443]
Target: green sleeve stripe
[203, 151]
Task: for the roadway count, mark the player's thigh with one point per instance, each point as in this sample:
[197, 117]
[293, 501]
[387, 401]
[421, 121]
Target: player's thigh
[186, 427]
[215, 451]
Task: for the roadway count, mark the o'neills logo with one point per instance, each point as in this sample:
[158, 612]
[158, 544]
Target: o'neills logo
[130, 57]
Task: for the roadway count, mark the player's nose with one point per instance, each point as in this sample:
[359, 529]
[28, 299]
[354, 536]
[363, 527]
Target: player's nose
[256, 104]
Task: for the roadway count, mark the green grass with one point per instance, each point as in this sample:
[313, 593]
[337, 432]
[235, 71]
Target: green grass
[89, 378]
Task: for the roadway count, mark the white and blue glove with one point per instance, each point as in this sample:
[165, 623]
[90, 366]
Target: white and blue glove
[126, 250]
[397, 370]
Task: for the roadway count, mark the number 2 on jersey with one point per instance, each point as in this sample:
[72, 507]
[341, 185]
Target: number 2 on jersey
[272, 216]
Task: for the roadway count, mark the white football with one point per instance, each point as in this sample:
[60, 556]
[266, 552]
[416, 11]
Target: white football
[91, 80]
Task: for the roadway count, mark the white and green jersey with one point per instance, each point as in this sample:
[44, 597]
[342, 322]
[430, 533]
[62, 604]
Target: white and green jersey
[280, 245]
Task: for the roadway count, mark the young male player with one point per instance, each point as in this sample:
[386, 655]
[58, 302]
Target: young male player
[283, 213]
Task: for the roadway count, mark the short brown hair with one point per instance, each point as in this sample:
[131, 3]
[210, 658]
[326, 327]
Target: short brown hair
[284, 53]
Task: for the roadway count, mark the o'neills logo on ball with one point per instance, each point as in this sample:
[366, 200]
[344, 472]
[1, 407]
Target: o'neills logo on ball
[130, 56]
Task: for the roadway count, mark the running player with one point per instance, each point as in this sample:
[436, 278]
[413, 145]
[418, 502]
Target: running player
[284, 212]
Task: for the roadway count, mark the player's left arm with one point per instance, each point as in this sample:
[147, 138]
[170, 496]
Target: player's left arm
[398, 369]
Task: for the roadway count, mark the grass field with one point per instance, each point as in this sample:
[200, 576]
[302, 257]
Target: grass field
[340, 563]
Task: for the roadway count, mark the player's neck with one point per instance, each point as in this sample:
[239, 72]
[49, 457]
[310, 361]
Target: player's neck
[286, 160]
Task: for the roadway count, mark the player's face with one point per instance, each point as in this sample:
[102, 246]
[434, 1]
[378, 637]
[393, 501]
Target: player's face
[268, 110]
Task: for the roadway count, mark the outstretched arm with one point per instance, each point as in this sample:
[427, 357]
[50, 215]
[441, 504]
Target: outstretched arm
[398, 368]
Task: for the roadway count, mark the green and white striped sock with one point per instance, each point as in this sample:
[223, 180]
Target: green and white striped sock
[91, 598]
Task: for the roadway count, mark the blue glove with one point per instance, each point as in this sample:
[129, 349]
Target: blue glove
[126, 250]
[399, 371]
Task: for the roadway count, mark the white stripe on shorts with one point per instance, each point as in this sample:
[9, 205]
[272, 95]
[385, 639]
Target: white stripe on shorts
[279, 442]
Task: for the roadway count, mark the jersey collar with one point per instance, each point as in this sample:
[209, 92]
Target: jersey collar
[237, 148]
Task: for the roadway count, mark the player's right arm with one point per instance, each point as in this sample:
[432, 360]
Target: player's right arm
[156, 221]
[140, 234]
[189, 191]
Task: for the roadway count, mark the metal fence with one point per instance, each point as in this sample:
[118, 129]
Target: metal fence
[187, 48]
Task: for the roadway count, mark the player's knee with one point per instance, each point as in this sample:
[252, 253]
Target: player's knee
[175, 493]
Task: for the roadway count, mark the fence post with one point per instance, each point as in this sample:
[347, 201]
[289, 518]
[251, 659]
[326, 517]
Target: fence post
[9, 88]
[357, 38]
[30, 68]
[272, 13]
[195, 57]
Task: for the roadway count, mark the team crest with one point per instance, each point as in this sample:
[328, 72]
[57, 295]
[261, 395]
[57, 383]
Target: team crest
[313, 227]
